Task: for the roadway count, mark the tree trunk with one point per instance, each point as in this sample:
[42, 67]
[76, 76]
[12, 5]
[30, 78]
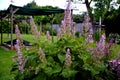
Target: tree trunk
[87, 3]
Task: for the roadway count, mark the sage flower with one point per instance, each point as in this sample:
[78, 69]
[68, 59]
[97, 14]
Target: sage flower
[90, 39]
[67, 21]
[18, 35]
[20, 61]
[34, 28]
[42, 56]
[47, 35]
[68, 60]
[20, 56]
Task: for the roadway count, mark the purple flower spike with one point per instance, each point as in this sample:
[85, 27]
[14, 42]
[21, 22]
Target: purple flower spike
[42, 55]
[67, 22]
[47, 35]
[34, 28]
[68, 60]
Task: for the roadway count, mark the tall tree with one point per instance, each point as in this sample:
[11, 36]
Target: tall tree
[101, 8]
[31, 4]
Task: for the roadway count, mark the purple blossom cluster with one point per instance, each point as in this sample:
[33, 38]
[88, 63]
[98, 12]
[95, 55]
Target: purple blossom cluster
[87, 30]
[48, 36]
[68, 60]
[102, 48]
[42, 55]
[18, 35]
[34, 28]
[67, 22]
[20, 61]
[89, 39]
[86, 20]
[115, 65]
[86, 26]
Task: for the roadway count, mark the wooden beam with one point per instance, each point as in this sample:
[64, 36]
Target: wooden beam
[11, 19]
[1, 29]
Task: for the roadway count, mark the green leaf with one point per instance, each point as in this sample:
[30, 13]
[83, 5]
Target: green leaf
[48, 71]
[41, 76]
[56, 69]
[67, 73]
[90, 68]
[61, 57]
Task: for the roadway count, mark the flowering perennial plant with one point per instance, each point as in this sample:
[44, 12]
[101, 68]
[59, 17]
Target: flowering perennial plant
[52, 62]
[20, 61]
[42, 56]
[67, 22]
[99, 51]
[18, 35]
[68, 60]
[34, 29]
[87, 30]
[19, 54]
[86, 27]
[89, 39]
[48, 36]
[115, 65]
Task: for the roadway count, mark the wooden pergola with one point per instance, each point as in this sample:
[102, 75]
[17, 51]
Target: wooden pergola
[12, 9]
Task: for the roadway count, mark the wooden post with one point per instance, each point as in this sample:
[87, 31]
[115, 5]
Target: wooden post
[100, 25]
[11, 19]
[52, 27]
[40, 26]
[1, 29]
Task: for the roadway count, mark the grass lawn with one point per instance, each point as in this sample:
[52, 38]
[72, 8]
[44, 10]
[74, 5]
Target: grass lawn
[27, 37]
[5, 64]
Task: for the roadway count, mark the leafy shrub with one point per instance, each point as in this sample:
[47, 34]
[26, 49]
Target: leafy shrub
[48, 28]
[83, 65]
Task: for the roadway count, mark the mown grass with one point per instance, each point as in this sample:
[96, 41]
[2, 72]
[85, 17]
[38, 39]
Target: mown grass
[5, 64]
[27, 37]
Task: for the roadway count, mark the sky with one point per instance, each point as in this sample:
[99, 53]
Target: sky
[4, 4]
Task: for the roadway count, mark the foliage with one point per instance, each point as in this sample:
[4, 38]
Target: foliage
[114, 37]
[5, 26]
[78, 18]
[24, 27]
[31, 5]
[83, 65]
[47, 27]
[77, 34]
[96, 36]
[43, 18]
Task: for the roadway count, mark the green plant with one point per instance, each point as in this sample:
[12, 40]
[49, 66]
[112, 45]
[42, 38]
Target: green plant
[83, 65]
[77, 34]
[96, 36]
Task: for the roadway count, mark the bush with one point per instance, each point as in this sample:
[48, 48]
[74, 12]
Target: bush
[52, 66]
[48, 28]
